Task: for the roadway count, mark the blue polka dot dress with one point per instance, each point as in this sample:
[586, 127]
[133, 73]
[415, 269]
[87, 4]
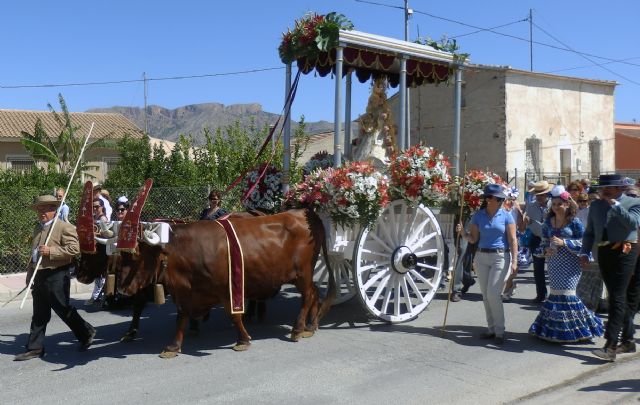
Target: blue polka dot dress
[563, 317]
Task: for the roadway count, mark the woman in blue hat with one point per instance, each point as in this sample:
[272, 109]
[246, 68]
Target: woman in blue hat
[494, 230]
[563, 317]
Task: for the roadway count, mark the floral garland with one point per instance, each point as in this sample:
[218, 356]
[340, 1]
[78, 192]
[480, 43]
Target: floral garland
[312, 34]
[353, 194]
[321, 160]
[420, 175]
[474, 183]
[267, 194]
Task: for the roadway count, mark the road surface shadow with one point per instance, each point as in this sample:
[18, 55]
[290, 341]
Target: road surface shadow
[632, 385]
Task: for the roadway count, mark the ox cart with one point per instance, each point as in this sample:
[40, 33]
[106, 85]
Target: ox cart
[394, 265]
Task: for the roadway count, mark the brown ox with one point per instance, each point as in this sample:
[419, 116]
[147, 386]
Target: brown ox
[278, 249]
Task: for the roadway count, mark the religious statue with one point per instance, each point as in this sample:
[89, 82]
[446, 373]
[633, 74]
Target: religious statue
[377, 138]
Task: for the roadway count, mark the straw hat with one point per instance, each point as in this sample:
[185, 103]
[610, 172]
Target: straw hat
[541, 187]
[44, 200]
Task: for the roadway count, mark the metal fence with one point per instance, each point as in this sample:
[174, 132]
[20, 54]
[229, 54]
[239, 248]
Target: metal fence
[17, 220]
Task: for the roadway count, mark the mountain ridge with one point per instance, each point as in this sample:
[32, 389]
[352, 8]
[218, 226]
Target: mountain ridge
[169, 124]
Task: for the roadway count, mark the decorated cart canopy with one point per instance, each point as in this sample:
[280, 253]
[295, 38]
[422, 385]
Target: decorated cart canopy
[328, 43]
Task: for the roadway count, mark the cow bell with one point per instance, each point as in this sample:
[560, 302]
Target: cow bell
[111, 284]
[158, 294]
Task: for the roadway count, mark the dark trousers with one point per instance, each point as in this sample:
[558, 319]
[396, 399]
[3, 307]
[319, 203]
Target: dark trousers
[51, 291]
[633, 303]
[539, 276]
[617, 268]
[538, 269]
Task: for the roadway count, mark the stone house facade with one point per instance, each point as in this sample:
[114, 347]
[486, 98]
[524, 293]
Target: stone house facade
[547, 126]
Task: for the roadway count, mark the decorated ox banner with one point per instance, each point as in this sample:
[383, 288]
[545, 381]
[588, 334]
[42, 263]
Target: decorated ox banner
[236, 267]
[128, 234]
[86, 235]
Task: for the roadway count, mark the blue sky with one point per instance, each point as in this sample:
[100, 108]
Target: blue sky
[45, 42]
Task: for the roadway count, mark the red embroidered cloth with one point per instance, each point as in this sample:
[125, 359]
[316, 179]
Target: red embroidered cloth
[128, 234]
[236, 267]
[86, 235]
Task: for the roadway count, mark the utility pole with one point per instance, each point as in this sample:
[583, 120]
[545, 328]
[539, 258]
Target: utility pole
[531, 40]
[407, 14]
[144, 79]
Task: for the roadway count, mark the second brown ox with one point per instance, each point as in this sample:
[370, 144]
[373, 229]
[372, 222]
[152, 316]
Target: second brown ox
[278, 249]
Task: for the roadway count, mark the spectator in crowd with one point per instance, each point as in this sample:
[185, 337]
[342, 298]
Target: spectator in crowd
[583, 207]
[511, 205]
[563, 317]
[529, 197]
[64, 208]
[98, 216]
[613, 225]
[593, 194]
[495, 232]
[97, 189]
[122, 206]
[51, 286]
[586, 185]
[575, 188]
[214, 211]
[631, 191]
[535, 214]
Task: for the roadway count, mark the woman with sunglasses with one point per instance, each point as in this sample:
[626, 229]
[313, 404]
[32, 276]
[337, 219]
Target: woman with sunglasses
[214, 211]
[98, 216]
[583, 207]
[496, 258]
[575, 188]
[122, 206]
[563, 317]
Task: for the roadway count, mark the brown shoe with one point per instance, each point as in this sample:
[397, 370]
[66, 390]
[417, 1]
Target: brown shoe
[626, 347]
[30, 354]
[605, 354]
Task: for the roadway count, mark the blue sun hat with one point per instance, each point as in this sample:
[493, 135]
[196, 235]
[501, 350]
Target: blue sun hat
[495, 190]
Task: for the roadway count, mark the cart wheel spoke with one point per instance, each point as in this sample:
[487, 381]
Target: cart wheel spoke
[398, 262]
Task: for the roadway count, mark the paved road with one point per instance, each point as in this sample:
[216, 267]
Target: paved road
[352, 359]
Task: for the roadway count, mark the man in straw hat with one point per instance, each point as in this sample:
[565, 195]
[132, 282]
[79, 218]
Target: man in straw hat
[612, 225]
[51, 285]
[535, 213]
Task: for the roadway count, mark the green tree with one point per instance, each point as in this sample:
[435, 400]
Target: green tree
[62, 150]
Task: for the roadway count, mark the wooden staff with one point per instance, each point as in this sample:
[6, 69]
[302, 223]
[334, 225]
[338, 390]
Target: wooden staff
[457, 244]
[55, 219]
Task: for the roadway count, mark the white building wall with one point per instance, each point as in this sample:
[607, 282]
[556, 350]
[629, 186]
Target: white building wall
[564, 114]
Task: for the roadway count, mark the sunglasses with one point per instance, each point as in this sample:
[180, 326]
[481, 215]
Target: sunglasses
[583, 201]
[122, 209]
[573, 189]
[97, 206]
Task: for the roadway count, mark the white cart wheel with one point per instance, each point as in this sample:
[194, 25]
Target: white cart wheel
[398, 263]
[344, 277]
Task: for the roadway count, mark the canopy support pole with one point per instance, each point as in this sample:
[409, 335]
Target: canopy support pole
[402, 133]
[347, 118]
[337, 135]
[287, 131]
[457, 104]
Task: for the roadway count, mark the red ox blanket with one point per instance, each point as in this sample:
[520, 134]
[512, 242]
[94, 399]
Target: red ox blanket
[128, 234]
[236, 267]
[85, 230]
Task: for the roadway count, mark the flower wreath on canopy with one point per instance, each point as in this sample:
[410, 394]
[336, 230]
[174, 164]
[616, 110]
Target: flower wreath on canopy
[353, 194]
[267, 195]
[420, 175]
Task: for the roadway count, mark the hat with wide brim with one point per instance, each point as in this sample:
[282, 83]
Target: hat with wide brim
[45, 200]
[495, 190]
[610, 180]
[541, 187]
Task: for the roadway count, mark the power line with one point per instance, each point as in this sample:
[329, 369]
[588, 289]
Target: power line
[489, 29]
[591, 65]
[140, 80]
[585, 57]
[492, 30]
